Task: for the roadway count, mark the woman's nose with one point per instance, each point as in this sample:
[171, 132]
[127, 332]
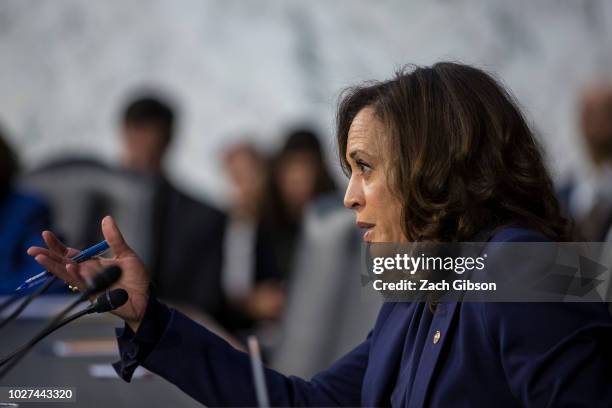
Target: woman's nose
[353, 197]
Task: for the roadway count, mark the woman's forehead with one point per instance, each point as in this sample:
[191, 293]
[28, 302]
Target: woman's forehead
[365, 132]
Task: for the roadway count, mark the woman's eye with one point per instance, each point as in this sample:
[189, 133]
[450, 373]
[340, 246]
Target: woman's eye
[363, 166]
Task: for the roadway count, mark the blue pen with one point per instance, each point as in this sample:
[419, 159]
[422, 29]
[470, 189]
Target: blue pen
[82, 256]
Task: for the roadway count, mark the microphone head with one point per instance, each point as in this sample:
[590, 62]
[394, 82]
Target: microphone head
[104, 279]
[109, 300]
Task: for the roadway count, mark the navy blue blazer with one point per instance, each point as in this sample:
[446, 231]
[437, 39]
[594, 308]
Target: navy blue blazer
[463, 355]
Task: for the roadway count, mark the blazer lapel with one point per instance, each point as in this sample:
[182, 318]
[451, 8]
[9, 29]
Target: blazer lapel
[439, 334]
[385, 357]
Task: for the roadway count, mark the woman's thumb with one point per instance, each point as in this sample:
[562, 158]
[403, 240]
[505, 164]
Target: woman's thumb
[113, 236]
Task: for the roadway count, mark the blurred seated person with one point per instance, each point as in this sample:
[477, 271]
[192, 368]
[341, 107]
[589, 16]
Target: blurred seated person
[251, 279]
[588, 198]
[298, 176]
[23, 217]
[188, 234]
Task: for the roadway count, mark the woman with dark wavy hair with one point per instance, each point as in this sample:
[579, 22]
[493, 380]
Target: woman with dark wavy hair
[436, 154]
[458, 154]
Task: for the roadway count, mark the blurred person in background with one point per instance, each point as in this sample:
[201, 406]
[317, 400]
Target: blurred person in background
[188, 233]
[251, 279]
[23, 217]
[588, 198]
[314, 334]
[298, 176]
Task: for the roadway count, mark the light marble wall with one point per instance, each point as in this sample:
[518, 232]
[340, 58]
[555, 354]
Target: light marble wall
[238, 67]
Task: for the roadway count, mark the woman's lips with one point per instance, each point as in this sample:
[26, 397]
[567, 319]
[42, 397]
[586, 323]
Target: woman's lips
[367, 236]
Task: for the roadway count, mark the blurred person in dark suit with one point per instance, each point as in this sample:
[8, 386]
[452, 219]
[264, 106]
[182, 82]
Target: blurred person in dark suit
[23, 217]
[298, 176]
[188, 233]
[588, 198]
[251, 279]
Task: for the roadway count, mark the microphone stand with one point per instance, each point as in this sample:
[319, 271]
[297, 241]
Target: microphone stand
[42, 289]
[15, 357]
[10, 300]
[98, 283]
[47, 331]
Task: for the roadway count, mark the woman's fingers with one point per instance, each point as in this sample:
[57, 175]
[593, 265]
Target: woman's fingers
[35, 251]
[114, 237]
[79, 274]
[57, 250]
[88, 269]
[57, 268]
[54, 244]
[70, 272]
[72, 252]
[57, 246]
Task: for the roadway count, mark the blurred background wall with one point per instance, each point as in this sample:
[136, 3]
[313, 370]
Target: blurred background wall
[239, 68]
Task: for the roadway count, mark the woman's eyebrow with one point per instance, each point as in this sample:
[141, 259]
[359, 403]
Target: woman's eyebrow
[357, 152]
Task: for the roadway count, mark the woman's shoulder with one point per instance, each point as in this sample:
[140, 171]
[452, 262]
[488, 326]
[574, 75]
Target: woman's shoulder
[517, 234]
[522, 319]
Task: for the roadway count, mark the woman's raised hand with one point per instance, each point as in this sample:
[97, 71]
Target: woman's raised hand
[56, 258]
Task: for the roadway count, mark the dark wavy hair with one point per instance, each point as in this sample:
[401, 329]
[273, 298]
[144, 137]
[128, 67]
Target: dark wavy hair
[463, 158]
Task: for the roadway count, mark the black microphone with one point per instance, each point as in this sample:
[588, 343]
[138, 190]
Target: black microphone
[103, 280]
[98, 283]
[110, 300]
